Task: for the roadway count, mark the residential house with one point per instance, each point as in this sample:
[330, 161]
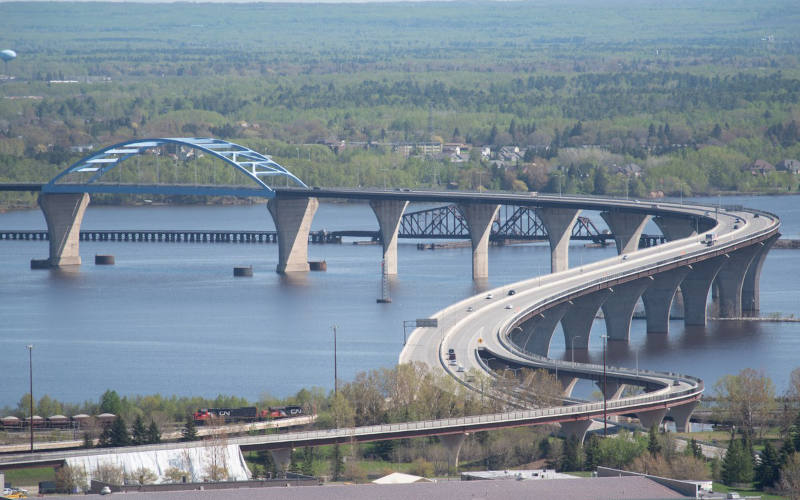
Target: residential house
[791, 166]
[759, 167]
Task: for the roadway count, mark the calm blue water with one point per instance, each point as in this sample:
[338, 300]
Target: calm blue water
[170, 318]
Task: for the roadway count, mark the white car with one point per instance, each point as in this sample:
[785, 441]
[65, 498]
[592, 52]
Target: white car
[489, 295]
[509, 306]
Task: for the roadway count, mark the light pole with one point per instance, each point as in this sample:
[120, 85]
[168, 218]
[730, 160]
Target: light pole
[605, 407]
[30, 371]
[335, 368]
[572, 347]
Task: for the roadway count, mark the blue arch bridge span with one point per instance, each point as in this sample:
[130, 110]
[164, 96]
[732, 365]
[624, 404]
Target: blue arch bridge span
[707, 249]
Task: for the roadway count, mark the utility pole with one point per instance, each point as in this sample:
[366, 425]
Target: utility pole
[335, 369]
[30, 369]
[605, 407]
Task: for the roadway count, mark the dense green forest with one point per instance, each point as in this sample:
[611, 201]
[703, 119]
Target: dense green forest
[691, 93]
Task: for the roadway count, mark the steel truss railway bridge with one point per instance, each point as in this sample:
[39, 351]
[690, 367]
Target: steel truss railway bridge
[715, 249]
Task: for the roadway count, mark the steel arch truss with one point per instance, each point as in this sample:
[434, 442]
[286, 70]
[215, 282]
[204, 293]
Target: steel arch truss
[511, 223]
[252, 164]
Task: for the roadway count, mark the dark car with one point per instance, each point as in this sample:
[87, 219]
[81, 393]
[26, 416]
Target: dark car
[512, 292]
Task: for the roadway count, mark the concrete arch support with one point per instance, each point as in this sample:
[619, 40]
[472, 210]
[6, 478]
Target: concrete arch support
[613, 389]
[577, 323]
[282, 458]
[682, 414]
[479, 218]
[627, 228]
[648, 419]
[751, 303]
[568, 382]
[618, 308]
[695, 289]
[559, 223]
[64, 214]
[292, 217]
[452, 443]
[389, 214]
[539, 332]
[575, 428]
[658, 299]
[675, 228]
[730, 279]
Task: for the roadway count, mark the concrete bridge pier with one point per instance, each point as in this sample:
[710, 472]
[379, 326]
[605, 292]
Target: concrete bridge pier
[618, 308]
[539, 332]
[64, 214]
[613, 388]
[751, 303]
[675, 228]
[694, 289]
[452, 443]
[577, 324]
[389, 214]
[659, 296]
[292, 217]
[282, 458]
[730, 279]
[568, 382]
[648, 419]
[479, 217]
[575, 428]
[682, 414]
[627, 228]
[559, 223]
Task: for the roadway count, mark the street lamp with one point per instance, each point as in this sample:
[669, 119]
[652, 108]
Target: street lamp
[335, 369]
[605, 404]
[30, 371]
[572, 346]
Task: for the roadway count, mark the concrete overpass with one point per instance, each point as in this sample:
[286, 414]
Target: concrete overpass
[517, 328]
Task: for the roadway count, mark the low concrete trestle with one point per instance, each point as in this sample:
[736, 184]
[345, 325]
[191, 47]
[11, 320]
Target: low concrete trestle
[182, 236]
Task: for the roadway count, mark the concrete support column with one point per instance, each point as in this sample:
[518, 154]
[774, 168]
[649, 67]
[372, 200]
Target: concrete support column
[479, 217]
[695, 289]
[568, 382]
[613, 390]
[730, 279]
[675, 228]
[618, 308]
[452, 443]
[626, 227]
[576, 428]
[648, 419]
[389, 214]
[64, 214]
[658, 299]
[559, 223]
[682, 414]
[537, 333]
[751, 303]
[282, 458]
[292, 217]
[577, 323]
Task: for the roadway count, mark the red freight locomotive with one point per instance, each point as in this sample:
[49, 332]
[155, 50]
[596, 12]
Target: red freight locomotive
[246, 414]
